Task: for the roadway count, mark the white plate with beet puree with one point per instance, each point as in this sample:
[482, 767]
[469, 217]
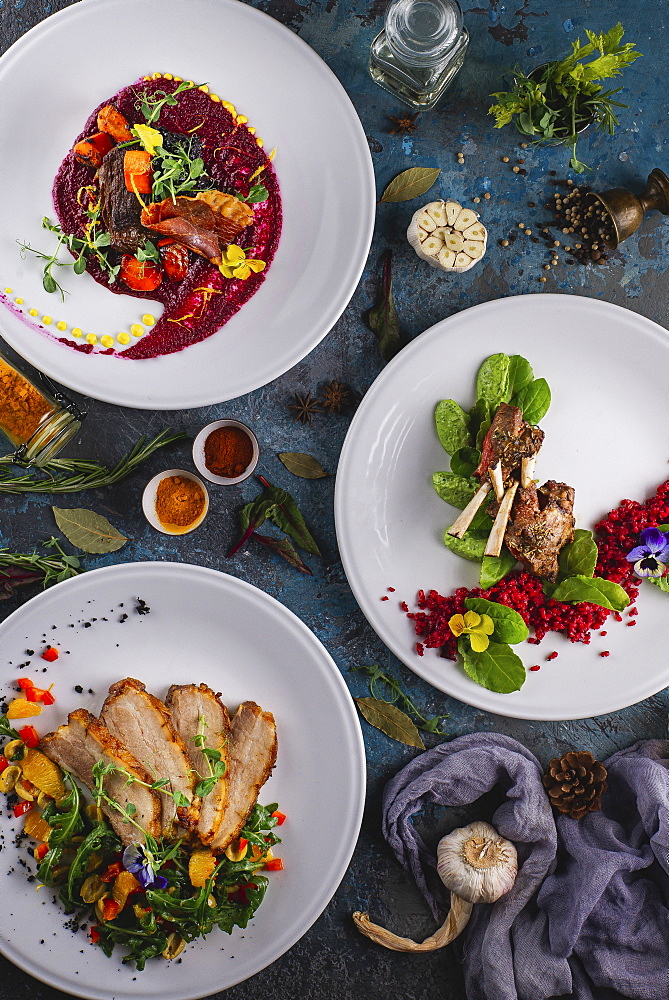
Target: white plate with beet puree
[322, 163]
[606, 435]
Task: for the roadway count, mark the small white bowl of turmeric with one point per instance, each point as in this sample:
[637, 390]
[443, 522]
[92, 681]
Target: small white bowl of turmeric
[175, 502]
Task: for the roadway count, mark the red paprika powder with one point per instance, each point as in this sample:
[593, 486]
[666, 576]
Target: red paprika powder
[228, 452]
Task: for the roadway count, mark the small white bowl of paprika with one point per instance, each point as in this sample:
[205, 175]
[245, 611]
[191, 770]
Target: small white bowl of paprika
[175, 502]
[226, 452]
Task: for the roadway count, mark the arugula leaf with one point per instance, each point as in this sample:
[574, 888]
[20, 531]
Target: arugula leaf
[579, 558]
[593, 590]
[7, 730]
[452, 426]
[497, 668]
[509, 625]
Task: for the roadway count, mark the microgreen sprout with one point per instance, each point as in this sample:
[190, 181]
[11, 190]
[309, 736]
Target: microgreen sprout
[151, 105]
[215, 763]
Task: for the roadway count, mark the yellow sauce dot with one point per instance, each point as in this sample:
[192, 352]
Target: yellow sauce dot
[9, 290]
[47, 320]
[32, 312]
[260, 143]
[137, 330]
[61, 325]
[204, 88]
[123, 338]
[178, 79]
[148, 319]
[18, 300]
[77, 331]
[229, 107]
[242, 119]
[146, 78]
[215, 98]
[107, 341]
[251, 130]
[91, 338]
[191, 83]
[168, 76]
[157, 76]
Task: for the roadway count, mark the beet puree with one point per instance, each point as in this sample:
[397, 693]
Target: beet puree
[200, 304]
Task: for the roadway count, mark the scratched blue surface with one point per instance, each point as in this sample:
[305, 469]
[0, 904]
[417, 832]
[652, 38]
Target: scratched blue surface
[332, 960]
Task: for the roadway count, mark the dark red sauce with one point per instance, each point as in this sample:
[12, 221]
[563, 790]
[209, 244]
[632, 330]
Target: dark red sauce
[232, 156]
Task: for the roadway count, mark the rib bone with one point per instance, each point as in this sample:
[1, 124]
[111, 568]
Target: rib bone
[497, 479]
[527, 471]
[462, 522]
[496, 536]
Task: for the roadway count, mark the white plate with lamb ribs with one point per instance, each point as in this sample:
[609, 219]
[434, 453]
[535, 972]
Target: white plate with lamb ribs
[131, 638]
[602, 438]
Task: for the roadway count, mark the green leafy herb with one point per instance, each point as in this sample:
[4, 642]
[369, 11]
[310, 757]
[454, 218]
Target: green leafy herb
[534, 400]
[497, 668]
[452, 426]
[383, 319]
[495, 568]
[386, 688]
[390, 720]
[465, 461]
[175, 173]
[277, 506]
[304, 466]
[149, 251]
[22, 568]
[87, 530]
[410, 184]
[556, 102]
[64, 817]
[7, 730]
[492, 380]
[455, 490]
[466, 547]
[77, 474]
[594, 590]
[661, 582]
[509, 625]
[93, 243]
[284, 548]
[257, 193]
[579, 557]
[151, 105]
[100, 841]
[520, 373]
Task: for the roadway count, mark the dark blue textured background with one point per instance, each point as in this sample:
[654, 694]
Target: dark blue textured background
[332, 960]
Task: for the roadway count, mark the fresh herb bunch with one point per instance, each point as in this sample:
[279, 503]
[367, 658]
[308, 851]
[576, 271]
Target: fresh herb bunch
[555, 102]
[21, 568]
[176, 173]
[93, 244]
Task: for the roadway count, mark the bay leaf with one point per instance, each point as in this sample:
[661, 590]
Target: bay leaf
[410, 184]
[87, 530]
[302, 465]
[383, 318]
[390, 720]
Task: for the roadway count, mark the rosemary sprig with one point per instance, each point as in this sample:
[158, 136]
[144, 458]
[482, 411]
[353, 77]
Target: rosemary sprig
[78, 474]
[21, 568]
[394, 694]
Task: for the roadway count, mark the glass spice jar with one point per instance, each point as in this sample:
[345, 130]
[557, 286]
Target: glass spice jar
[420, 50]
[36, 421]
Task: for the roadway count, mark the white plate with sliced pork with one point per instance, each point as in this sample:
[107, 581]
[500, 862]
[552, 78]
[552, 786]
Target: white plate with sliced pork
[605, 436]
[132, 639]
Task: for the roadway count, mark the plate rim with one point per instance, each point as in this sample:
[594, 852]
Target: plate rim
[345, 549]
[334, 308]
[358, 767]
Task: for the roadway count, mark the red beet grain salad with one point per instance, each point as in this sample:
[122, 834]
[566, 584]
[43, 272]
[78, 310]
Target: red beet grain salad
[168, 194]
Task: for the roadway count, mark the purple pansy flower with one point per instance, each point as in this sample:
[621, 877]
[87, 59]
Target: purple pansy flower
[139, 861]
[652, 556]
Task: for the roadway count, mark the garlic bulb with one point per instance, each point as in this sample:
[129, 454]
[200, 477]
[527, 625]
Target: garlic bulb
[447, 236]
[476, 863]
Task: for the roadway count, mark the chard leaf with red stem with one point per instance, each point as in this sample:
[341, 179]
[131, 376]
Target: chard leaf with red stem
[382, 318]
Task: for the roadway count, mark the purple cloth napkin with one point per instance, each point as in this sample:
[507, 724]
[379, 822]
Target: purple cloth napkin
[588, 916]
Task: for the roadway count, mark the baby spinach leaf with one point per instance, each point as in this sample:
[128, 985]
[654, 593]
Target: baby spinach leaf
[390, 720]
[534, 400]
[509, 625]
[595, 590]
[464, 461]
[467, 547]
[579, 558]
[481, 525]
[661, 582]
[454, 489]
[494, 568]
[520, 374]
[452, 425]
[492, 380]
[497, 668]
[480, 421]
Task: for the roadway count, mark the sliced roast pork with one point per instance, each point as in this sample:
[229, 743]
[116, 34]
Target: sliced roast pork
[542, 521]
[252, 757]
[145, 726]
[198, 713]
[77, 746]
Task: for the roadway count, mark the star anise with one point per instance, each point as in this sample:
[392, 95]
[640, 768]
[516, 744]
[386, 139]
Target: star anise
[336, 396]
[304, 407]
[404, 124]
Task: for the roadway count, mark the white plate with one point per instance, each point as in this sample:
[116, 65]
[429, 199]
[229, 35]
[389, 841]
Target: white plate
[322, 163]
[204, 626]
[606, 434]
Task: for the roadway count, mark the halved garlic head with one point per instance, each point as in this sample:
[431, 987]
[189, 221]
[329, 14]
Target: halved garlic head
[447, 236]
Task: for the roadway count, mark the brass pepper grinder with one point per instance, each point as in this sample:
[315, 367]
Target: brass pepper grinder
[627, 210]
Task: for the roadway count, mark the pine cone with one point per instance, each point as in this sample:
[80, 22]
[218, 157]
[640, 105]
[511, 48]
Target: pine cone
[575, 783]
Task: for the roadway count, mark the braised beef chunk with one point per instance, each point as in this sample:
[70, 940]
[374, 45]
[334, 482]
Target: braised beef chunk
[119, 208]
[541, 523]
[509, 440]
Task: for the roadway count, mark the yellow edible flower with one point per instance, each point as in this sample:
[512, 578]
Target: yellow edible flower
[235, 264]
[149, 137]
[477, 627]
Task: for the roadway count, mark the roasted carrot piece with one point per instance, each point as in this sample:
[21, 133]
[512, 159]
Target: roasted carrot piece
[137, 171]
[111, 121]
[93, 149]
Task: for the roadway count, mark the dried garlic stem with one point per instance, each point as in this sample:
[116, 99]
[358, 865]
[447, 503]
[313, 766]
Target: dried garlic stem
[455, 923]
[462, 522]
[497, 479]
[496, 536]
[527, 470]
